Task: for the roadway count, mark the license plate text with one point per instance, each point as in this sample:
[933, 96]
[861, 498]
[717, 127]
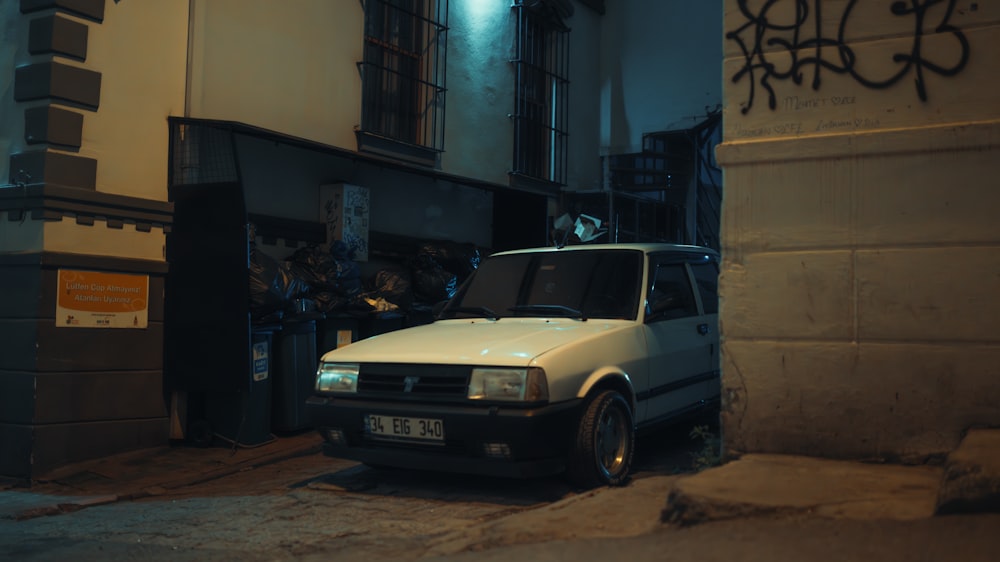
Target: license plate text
[424, 429]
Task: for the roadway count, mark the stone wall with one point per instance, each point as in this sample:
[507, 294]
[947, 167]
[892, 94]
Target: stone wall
[860, 247]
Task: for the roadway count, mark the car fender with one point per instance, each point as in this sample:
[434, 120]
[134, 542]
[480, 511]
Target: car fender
[610, 374]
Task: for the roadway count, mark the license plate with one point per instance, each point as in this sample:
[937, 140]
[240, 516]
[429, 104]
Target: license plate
[397, 427]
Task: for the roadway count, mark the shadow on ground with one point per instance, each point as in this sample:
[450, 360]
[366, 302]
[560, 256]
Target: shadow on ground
[674, 449]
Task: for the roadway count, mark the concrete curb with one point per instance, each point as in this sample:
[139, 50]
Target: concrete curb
[609, 512]
[50, 498]
[971, 482]
[759, 484]
[788, 485]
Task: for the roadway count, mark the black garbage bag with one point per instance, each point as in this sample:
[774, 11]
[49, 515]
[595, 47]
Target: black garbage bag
[347, 271]
[315, 267]
[458, 258]
[431, 282]
[325, 271]
[272, 284]
[329, 301]
[359, 307]
[395, 286]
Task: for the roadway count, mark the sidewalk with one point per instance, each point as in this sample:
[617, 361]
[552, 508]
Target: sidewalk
[752, 488]
[968, 482]
[756, 484]
[143, 473]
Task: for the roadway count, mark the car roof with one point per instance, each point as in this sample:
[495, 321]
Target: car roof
[645, 247]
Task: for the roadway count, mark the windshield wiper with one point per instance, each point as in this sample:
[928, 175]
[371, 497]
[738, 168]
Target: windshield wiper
[549, 309]
[477, 310]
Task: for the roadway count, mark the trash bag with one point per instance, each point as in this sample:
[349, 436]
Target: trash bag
[329, 273]
[431, 282]
[347, 270]
[328, 301]
[323, 270]
[272, 284]
[461, 259]
[380, 304]
[315, 267]
[394, 285]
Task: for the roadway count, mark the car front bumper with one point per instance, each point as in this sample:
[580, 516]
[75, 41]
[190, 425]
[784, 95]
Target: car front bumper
[490, 440]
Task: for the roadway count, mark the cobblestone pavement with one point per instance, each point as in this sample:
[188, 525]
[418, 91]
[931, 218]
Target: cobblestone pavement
[287, 502]
[311, 506]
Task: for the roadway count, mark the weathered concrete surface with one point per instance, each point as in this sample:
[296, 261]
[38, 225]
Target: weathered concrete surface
[139, 474]
[628, 511]
[283, 501]
[788, 484]
[971, 480]
[968, 538]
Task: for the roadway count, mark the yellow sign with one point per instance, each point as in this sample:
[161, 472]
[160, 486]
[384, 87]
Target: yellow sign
[92, 299]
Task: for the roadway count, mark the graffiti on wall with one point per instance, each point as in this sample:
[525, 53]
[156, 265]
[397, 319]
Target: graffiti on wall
[801, 40]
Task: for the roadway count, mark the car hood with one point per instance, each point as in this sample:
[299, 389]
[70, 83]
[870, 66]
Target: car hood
[508, 341]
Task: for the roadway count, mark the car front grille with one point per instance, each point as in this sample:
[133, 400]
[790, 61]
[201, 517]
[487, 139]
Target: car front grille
[414, 381]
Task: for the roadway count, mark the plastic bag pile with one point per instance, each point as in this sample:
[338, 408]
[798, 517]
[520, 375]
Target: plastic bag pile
[331, 280]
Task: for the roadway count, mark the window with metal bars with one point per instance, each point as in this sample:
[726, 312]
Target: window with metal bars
[542, 88]
[403, 71]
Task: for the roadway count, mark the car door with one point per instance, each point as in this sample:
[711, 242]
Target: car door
[677, 341]
[706, 279]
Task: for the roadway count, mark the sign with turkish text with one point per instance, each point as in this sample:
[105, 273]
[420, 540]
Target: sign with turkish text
[261, 361]
[93, 299]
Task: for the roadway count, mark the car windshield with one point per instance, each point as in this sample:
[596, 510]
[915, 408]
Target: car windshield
[575, 284]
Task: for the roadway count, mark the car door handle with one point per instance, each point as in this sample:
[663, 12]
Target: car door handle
[703, 329]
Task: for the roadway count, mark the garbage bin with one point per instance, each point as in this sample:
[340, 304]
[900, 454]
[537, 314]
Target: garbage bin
[243, 417]
[381, 322]
[295, 373]
[334, 331]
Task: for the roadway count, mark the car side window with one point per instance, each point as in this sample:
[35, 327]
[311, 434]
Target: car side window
[670, 296]
[706, 276]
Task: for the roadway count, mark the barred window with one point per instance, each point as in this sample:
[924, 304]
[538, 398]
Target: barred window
[542, 89]
[403, 71]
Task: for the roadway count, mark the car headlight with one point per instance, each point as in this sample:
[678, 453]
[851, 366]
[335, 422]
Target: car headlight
[527, 385]
[337, 377]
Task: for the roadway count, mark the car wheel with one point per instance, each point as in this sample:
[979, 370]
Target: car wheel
[605, 441]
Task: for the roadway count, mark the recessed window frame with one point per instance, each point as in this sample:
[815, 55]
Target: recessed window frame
[541, 112]
[403, 78]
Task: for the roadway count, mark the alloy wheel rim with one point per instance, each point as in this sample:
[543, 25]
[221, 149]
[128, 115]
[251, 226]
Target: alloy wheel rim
[610, 441]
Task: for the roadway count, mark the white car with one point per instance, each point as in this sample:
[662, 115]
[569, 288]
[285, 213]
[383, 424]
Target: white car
[547, 360]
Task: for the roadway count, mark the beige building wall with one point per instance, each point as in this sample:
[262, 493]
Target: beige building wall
[87, 86]
[292, 67]
[139, 51]
[287, 66]
[860, 242]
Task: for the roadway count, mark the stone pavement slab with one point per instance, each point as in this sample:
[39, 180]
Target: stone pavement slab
[143, 473]
[765, 484]
[972, 475]
[613, 512]
[762, 484]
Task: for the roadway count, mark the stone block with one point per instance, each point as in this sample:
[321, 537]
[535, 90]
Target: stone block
[787, 295]
[929, 294]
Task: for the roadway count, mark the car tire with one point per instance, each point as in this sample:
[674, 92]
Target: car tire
[605, 442]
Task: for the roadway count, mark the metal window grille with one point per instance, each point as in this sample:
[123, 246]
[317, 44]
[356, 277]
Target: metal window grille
[541, 114]
[200, 154]
[403, 71]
